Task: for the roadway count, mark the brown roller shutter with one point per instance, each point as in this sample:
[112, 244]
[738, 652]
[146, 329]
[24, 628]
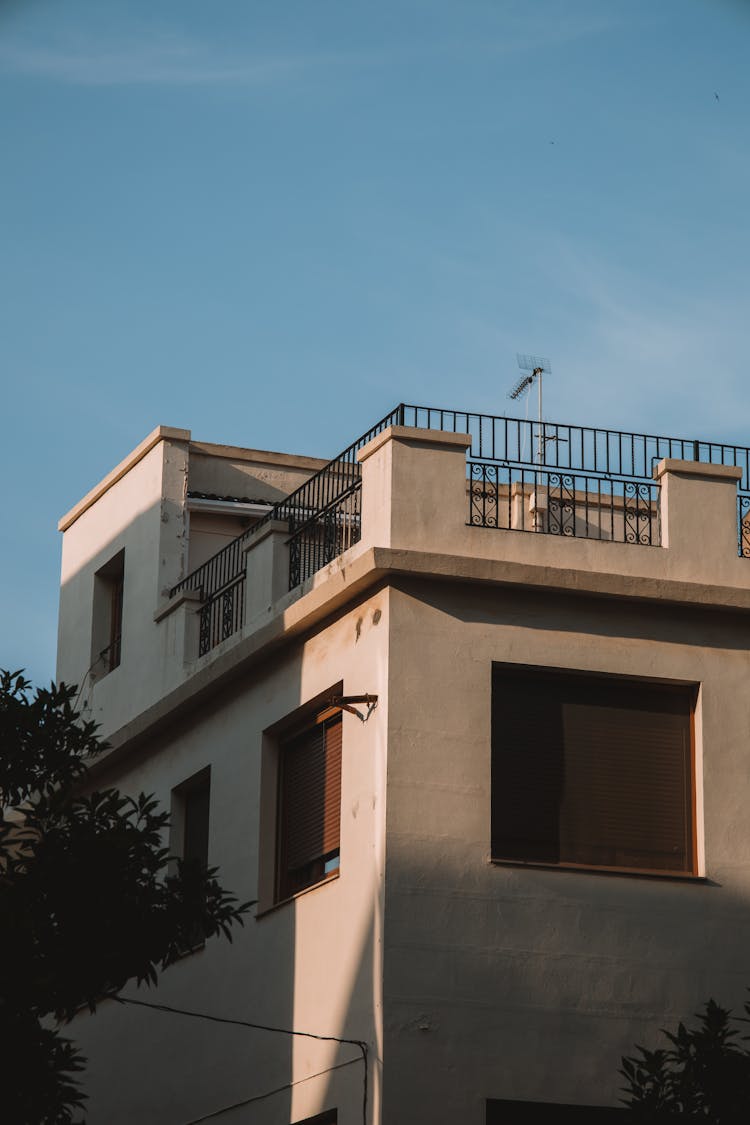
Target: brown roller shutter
[592, 771]
[310, 800]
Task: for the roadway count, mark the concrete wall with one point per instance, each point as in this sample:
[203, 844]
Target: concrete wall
[141, 508]
[312, 964]
[511, 982]
[143, 513]
[499, 981]
[520, 983]
[227, 470]
[209, 532]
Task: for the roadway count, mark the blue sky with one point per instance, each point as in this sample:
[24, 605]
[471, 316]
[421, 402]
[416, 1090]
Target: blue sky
[270, 222]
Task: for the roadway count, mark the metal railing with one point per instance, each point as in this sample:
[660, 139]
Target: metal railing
[594, 482]
[567, 504]
[583, 449]
[324, 513]
[325, 536]
[222, 614]
[743, 525]
[323, 520]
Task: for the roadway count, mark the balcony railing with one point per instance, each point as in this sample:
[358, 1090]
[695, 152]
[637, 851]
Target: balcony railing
[555, 478]
[323, 520]
[560, 503]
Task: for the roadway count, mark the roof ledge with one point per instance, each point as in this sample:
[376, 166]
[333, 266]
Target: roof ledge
[161, 433]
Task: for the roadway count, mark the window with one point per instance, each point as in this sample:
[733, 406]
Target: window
[189, 819]
[328, 1118]
[106, 641]
[592, 771]
[309, 814]
[549, 1113]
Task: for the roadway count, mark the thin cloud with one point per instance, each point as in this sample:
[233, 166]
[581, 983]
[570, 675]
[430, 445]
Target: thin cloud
[170, 62]
[175, 61]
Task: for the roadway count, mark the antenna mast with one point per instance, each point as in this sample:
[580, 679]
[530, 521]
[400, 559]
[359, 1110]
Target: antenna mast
[535, 367]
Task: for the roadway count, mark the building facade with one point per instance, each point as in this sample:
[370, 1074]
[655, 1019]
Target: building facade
[465, 711]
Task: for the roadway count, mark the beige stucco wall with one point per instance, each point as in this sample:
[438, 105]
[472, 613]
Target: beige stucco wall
[498, 981]
[142, 507]
[257, 474]
[142, 512]
[313, 964]
[518, 983]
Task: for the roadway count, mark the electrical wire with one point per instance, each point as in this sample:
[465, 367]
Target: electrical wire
[269, 1093]
[360, 1043]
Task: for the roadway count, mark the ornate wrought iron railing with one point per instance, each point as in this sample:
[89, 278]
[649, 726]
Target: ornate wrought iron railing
[561, 503]
[323, 520]
[593, 479]
[743, 525]
[222, 614]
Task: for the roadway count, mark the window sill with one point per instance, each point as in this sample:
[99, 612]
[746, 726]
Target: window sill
[293, 898]
[619, 872]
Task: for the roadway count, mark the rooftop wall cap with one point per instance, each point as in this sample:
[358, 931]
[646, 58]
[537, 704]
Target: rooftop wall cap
[697, 469]
[259, 456]
[415, 436]
[161, 433]
[169, 605]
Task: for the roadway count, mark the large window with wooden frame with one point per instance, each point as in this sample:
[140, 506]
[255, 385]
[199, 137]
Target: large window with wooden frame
[592, 771]
[309, 812]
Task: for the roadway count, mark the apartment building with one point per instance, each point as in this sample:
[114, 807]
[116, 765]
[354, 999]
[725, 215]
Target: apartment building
[465, 711]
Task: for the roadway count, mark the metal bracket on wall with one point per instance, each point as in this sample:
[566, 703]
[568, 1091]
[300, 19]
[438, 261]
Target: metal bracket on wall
[345, 703]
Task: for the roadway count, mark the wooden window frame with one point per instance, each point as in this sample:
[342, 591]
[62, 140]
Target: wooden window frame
[566, 689]
[301, 740]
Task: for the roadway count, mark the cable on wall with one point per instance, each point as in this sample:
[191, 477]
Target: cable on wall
[269, 1093]
[360, 1043]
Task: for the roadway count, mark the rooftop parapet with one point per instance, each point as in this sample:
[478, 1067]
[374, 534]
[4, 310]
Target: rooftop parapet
[561, 480]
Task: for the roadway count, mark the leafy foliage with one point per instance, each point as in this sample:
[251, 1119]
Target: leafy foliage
[86, 899]
[704, 1074]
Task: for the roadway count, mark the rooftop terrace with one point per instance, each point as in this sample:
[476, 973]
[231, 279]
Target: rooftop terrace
[551, 479]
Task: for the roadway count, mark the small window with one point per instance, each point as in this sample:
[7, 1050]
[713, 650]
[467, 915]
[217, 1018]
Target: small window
[189, 819]
[309, 816]
[592, 771]
[106, 643]
[330, 1117]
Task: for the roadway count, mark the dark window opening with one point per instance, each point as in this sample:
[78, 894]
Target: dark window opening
[309, 807]
[195, 822]
[189, 833]
[548, 1113]
[330, 1117]
[109, 585]
[592, 771]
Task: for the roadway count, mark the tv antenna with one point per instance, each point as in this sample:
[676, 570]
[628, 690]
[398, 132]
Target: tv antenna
[534, 367]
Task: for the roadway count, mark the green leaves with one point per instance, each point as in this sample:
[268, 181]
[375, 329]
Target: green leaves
[44, 743]
[87, 902]
[705, 1073]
